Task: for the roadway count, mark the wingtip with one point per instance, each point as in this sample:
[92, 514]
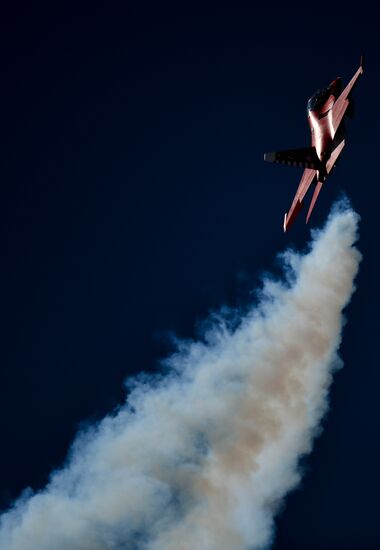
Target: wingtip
[269, 157]
[285, 223]
[362, 62]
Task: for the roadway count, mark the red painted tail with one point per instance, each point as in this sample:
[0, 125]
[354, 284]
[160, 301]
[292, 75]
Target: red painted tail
[314, 199]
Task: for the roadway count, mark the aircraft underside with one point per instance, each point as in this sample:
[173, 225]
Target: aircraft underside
[327, 110]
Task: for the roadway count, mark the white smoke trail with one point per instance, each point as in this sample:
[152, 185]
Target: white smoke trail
[202, 458]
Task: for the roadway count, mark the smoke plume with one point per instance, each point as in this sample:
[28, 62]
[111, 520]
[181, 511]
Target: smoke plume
[202, 457]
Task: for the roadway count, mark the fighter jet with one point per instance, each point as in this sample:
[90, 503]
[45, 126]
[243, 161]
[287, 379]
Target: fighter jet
[326, 113]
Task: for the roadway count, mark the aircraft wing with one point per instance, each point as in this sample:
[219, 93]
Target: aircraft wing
[306, 157]
[306, 180]
[343, 101]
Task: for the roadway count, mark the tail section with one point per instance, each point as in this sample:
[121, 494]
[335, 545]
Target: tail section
[305, 158]
[329, 166]
[307, 179]
[291, 215]
[317, 189]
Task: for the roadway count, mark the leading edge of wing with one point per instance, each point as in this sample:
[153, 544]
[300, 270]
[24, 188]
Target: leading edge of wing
[342, 102]
[306, 180]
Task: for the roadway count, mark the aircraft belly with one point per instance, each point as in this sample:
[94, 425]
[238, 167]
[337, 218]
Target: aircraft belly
[326, 110]
[331, 124]
[321, 134]
[323, 141]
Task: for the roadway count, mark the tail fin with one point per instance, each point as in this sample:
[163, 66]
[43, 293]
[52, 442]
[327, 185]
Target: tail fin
[305, 158]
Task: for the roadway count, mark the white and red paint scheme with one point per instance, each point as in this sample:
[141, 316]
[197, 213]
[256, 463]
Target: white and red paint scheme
[326, 111]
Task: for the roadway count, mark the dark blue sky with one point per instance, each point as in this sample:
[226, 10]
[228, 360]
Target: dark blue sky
[134, 199]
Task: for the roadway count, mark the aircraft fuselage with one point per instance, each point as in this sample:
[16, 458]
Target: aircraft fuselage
[320, 118]
[326, 113]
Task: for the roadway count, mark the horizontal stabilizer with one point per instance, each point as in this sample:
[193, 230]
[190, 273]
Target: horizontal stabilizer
[291, 216]
[317, 189]
[307, 179]
[305, 158]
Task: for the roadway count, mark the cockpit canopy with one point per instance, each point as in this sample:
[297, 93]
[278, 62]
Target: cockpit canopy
[318, 99]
